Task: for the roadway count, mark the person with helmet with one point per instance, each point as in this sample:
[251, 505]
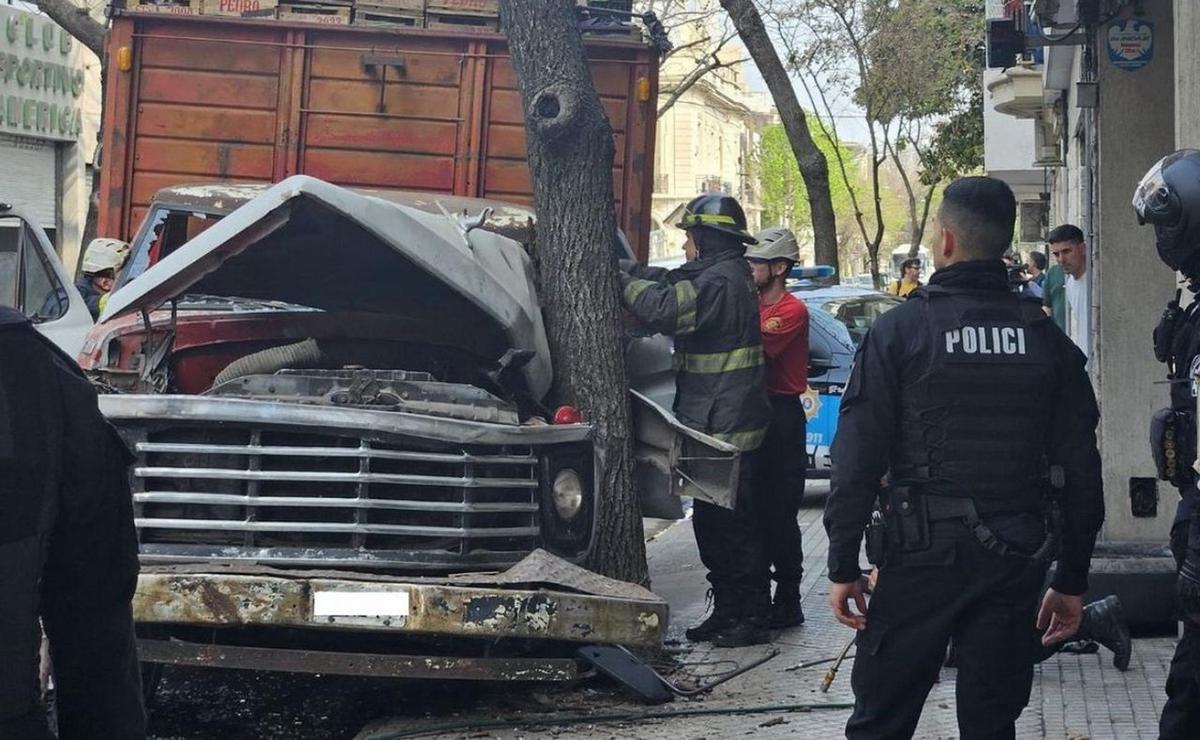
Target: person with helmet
[709, 306]
[1168, 198]
[946, 390]
[782, 462]
[102, 260]
[68, 548]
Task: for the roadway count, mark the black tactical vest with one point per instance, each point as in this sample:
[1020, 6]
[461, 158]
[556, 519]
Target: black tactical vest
[975, 421]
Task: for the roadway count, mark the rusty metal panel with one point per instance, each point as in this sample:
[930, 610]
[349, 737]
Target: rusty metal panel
[431, 667]
[216, 599]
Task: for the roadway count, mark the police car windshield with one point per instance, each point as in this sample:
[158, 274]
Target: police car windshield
[856, 314]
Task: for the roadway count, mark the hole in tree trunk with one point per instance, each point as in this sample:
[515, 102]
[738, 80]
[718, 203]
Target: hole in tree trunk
[548, 107]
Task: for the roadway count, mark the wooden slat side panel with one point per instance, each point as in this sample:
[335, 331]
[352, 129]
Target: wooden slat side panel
[221, 159]
[206, 123]
[217, 54]
[216, 89]
[400, 99]
[380, 169]
[382, 134]
[419, 69]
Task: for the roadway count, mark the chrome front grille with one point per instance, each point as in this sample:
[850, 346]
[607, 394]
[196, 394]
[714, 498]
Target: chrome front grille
[301, 497]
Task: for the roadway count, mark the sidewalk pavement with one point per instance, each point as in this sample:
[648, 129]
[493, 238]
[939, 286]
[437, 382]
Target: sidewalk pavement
[1074, 696]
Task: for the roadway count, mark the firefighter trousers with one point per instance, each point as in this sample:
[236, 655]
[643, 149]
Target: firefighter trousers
[731, 548]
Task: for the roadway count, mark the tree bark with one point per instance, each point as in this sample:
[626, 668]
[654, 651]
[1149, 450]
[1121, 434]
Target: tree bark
[76, 21]
[813, 167]
[570, 150]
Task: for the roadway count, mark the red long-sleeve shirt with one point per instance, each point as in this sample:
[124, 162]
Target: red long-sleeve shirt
[784, 326]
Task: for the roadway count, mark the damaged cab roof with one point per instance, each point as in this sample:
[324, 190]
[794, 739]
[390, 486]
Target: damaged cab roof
[310, 243]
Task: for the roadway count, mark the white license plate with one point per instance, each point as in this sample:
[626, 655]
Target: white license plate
[360, 604]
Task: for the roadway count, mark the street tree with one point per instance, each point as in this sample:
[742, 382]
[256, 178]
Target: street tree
[814, 168]
[927, 63]
[909, 67]
[570, 152]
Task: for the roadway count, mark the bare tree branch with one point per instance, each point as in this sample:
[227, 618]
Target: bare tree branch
[77, 22]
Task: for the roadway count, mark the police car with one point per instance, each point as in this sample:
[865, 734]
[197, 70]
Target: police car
[839, 317]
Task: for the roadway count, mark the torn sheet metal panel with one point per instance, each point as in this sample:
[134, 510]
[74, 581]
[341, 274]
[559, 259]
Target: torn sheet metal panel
[242, 254]
[682, 460]
[429, 667]
[190, 596]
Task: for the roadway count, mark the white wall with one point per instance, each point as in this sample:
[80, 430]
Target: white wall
[1136, 127]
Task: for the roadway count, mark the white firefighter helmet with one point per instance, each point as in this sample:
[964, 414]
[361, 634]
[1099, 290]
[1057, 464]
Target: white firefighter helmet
[102, 255]
[775, 243]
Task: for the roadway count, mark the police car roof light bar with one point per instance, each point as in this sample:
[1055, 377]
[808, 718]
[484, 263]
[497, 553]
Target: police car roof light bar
[816, 272]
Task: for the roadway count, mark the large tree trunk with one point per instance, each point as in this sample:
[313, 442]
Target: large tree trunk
[813, 167]
[570, 147]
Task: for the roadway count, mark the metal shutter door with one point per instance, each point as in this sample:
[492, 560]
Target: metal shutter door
[27, 174]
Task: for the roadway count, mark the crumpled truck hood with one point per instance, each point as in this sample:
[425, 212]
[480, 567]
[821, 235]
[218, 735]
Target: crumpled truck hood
[311, 243]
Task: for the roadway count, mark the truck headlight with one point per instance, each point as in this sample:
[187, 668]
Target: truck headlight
[567, 493]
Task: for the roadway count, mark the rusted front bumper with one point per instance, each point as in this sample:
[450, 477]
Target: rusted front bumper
[193, 597]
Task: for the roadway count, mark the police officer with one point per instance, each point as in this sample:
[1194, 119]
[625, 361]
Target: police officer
[710, 306]
[1168, 197]
[951, 393]
[782, 462]
[68, 550]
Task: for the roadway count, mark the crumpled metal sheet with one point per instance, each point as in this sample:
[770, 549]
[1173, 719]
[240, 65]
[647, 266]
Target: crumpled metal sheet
[542, 569]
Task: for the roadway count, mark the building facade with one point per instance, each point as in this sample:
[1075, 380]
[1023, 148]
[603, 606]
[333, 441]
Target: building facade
[49, 116]
[1110, 95]
[707, 142]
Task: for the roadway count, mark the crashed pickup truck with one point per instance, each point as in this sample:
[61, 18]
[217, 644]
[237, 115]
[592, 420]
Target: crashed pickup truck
[344, 464]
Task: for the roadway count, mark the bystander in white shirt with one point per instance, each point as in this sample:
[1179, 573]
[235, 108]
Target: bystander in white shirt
[1077, 312]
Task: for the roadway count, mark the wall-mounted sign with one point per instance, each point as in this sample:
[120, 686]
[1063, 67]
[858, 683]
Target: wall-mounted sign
[1130, 43]
[41, 80]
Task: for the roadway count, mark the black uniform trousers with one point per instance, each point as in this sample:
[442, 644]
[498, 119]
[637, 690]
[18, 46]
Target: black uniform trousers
[953, 589]
[731, 547]
[1181, 714]
[779, 487]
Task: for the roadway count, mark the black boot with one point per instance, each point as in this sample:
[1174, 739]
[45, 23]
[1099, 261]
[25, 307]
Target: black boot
[1104, 622]
[785, 610]
[748, 627]
[718, 619]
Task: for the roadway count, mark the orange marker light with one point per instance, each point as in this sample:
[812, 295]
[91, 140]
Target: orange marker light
[643, 89]
[124, 58]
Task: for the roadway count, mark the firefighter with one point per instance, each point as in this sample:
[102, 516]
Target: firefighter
[68, 548]
[1168, 198]
[782, 462]
[710, 307]
[102, 260]
[951, 392]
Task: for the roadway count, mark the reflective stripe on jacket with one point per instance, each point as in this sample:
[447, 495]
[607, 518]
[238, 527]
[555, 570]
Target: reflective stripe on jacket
[710, 307]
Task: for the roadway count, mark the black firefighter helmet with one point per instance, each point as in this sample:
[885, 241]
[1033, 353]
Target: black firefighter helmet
[717, 212]
[1168, 198]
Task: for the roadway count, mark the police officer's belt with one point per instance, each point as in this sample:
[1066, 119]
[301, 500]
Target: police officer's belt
[941, 508]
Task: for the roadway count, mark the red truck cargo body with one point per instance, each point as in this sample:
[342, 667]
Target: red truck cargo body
[194, 99]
